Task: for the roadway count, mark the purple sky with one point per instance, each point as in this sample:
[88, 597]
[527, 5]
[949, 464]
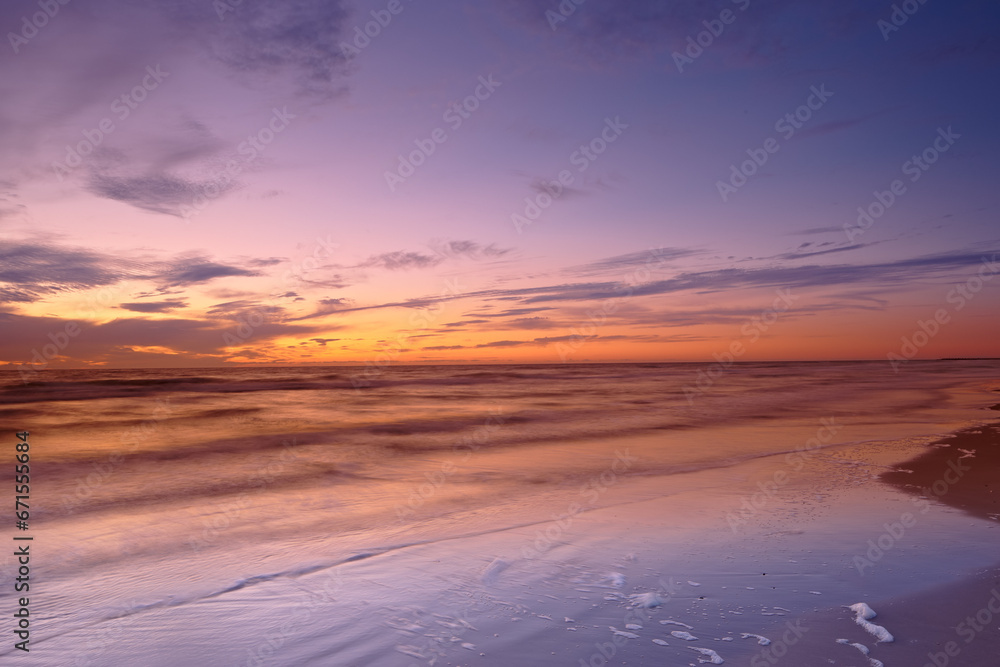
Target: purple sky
[173, 173]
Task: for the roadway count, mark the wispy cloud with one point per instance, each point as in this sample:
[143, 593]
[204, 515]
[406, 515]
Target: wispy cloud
[620, 264]
[324, 307]
[122, 337]
[892, 274]
[155, 306]
[31, 270]
[441, 251]
[159, 193]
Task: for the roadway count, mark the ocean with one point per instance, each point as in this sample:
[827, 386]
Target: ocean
[172, 508]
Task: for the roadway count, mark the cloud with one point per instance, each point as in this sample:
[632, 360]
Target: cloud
[404, 260]
[401, 260]
[559, 339]
[295, 39]
[323, 341]
[121, 337]
[30, 270]
[814, 253]
[466, 249]
[819, 230]
[92, 53]
[36, 269]
[505, 343]
[883, 274]
[541, 342]
[544, 186]
[155, 306]
[652, 259]
[196, 270]
[529, 323]
[324, 307]
[159, 193]
[463, 323]
[512, 312]
[239, 309]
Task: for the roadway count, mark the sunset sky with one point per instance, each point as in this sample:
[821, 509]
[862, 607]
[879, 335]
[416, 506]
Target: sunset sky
[193, 183]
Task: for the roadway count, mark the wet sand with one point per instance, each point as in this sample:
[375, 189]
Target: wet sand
[957, 623]
[962, 471]
[754, 556]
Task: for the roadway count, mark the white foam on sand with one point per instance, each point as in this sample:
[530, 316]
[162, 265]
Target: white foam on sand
[660, 642]
[862, 610]
[761, 640]
[683, 634]
[622, 633]
[860, 647]
[617, 579]
[710, 656]
[633, 626]
[683, 625]
[862, 613]
[872, 662]
[646, 600]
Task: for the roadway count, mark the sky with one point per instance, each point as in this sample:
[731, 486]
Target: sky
[194, 183]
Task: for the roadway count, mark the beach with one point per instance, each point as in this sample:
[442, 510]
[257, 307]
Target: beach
[505, 515]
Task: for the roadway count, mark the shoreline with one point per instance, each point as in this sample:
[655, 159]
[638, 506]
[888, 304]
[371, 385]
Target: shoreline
[659, 540]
